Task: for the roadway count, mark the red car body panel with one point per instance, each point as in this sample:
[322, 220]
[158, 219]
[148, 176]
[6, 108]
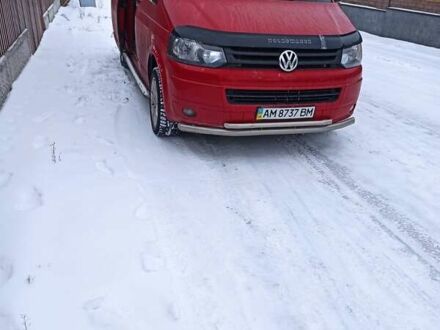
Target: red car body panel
[204, 89]
[260, 16]
[205, 92]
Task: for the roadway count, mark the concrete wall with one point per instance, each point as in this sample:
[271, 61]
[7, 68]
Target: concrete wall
[421, 28]
[49, 15]
[12, 63]
[418, 27]
[17, 56]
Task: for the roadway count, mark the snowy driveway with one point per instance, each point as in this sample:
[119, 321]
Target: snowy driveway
[104, 226]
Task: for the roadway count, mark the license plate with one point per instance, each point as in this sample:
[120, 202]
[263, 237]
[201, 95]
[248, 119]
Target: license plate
[285, 113]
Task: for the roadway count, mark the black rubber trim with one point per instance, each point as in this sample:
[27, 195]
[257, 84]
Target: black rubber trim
[242, 96]
[233, 39]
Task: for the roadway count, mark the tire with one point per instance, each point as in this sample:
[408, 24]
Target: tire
[160, 125]
[123, 61]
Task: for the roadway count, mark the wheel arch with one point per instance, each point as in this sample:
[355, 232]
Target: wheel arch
[158, 59]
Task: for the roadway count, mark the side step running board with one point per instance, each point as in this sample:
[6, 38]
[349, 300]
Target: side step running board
[141, 85]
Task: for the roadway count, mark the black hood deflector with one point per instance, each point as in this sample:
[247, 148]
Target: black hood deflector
[230, 39]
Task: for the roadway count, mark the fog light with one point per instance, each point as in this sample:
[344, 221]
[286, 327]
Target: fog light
[189, 112]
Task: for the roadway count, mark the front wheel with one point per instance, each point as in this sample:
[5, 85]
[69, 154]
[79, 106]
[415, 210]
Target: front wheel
[123, 61]
[159, 123]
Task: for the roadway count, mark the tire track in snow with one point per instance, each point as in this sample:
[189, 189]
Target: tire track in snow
[275, 241]
[288, 247]
[264, 255]
[359, 250]
[428, 128]
[202, 290]
[403, 223]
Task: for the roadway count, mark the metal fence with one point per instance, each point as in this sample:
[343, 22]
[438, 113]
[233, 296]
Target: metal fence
[18, 15]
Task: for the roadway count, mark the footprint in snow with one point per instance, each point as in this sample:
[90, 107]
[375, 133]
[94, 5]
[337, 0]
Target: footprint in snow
[104, 167]
[151, 259]
[142, 212]
[6, 271]
[43, 117]
[173, 312]
[5, 178]
[82, 100]
[151, 263]
[28, 199]
[69, 90]
[104, 141]
[79, 120]
[103, 316]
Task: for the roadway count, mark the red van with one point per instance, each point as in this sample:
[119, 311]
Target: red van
[241, 67]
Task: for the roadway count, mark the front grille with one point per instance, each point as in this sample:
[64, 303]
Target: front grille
[240, 96]
[268, 58]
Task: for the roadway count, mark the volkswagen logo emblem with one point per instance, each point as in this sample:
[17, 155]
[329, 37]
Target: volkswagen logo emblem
[288, 60]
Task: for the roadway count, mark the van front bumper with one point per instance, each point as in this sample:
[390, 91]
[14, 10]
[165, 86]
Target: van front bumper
[204, 91]
[269, 128]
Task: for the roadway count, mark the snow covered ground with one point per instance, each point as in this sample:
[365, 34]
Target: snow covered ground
[104, 226]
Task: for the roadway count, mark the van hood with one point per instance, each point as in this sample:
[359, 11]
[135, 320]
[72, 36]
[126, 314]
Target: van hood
[280, 17]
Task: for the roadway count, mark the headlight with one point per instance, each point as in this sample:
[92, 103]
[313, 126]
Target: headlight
[193, 52]
[352, 56]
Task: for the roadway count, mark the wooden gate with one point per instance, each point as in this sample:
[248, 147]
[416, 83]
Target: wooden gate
[18, 15]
